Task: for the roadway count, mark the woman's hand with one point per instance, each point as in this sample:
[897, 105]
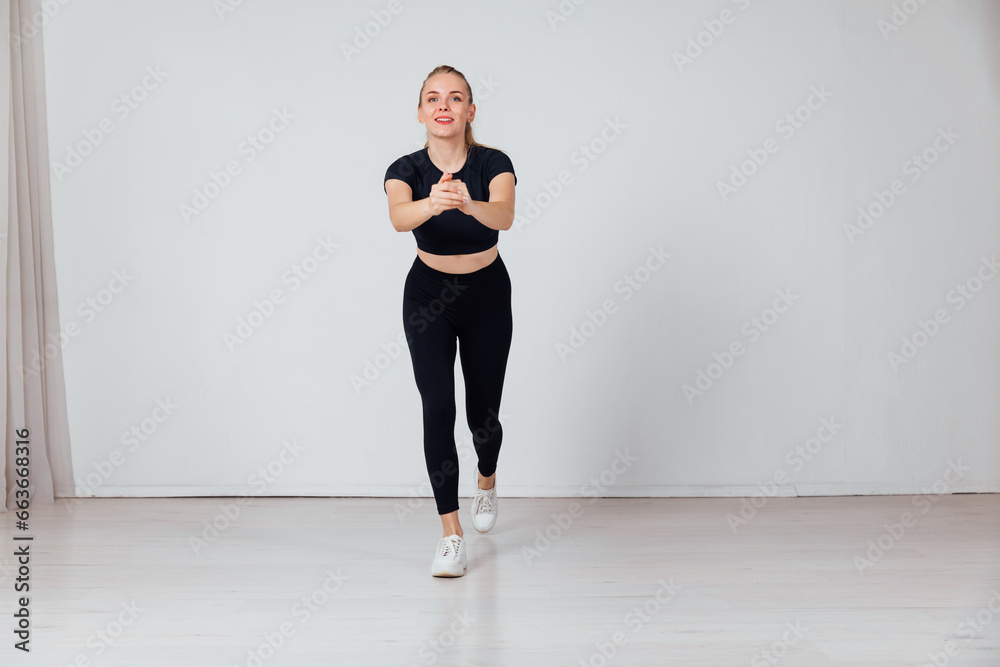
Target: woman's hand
[448, 194]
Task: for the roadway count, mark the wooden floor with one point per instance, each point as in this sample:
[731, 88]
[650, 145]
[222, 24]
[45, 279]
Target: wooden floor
[665, 581]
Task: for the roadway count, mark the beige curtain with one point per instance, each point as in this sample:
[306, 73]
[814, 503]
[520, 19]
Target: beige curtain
[34, 394]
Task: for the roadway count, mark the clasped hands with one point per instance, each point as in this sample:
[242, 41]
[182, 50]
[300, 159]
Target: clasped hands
[449, 193]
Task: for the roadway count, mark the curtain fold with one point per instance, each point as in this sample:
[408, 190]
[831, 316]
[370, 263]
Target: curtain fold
[34, 394]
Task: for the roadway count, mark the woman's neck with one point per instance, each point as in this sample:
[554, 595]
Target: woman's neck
[447, 153]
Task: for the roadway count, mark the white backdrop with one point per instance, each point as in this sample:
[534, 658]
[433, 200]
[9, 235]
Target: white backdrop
[230, 284]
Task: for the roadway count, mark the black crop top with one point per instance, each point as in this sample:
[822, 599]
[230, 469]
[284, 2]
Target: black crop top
[452, 232]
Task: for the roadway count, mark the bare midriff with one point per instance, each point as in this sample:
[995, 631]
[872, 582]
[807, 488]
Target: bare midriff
[459, 263]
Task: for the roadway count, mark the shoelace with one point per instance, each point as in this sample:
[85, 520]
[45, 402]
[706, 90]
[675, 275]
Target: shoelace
[449, 546]
[483, 500]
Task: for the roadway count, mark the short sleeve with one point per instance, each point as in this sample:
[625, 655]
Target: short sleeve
[403, 170]
[498, 163]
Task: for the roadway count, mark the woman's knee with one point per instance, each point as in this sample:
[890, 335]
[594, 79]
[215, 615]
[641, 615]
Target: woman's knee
[486, 427]
[439, 410]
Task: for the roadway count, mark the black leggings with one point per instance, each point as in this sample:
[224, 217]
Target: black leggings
[473, 309]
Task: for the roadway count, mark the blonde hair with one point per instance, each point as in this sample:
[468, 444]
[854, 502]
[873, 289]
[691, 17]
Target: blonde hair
[470, 140]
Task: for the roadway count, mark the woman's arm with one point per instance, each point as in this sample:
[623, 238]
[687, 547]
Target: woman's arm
[404, 213]
[498, 212]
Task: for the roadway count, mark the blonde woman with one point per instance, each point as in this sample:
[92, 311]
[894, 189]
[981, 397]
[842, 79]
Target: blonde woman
[455, 195]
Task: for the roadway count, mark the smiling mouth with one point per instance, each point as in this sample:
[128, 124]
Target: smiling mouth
[444, 121]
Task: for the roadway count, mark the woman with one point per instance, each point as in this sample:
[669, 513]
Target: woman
[455, 195]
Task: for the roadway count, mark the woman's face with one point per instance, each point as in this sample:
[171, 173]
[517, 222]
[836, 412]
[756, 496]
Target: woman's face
[444, 98]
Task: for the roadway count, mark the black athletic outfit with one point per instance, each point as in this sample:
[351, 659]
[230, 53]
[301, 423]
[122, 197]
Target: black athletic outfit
[468, 311]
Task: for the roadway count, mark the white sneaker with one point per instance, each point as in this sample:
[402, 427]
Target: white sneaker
[449, 561]
[484, 507]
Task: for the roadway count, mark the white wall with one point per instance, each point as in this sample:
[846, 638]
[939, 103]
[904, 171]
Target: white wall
[545, 89]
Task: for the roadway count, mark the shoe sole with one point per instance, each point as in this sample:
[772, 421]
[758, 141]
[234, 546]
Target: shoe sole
[448, 574]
